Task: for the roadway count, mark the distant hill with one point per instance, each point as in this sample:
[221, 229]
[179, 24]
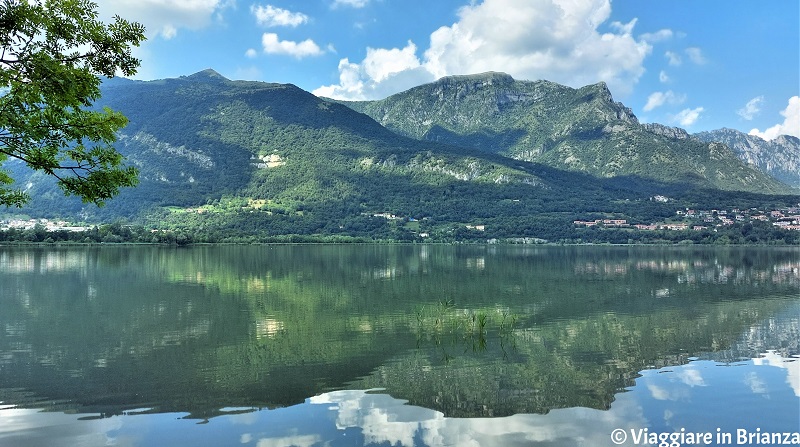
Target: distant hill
[779, 157]
[581, 130]
[242, 160]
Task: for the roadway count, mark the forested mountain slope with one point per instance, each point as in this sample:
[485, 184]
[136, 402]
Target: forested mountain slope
[581, 130]
[241, 160]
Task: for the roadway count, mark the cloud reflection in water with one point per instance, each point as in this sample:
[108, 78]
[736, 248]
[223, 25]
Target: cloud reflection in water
[663, 399]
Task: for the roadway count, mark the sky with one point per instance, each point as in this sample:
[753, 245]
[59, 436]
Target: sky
[699, 65]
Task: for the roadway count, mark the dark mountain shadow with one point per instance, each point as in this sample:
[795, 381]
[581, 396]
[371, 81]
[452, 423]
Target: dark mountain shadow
[486, 140]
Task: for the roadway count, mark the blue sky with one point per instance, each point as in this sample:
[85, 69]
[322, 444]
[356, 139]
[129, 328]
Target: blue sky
[699, 65]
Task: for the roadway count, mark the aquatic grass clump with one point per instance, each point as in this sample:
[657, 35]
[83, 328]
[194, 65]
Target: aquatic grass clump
[463, 326]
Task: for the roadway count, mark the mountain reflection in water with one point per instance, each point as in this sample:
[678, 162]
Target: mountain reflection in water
[663, 400]
[275, 345]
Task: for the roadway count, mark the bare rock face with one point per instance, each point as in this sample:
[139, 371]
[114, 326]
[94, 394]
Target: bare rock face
[779, 158]
[666, 131]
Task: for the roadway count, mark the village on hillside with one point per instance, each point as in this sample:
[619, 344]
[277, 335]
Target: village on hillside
[683, 220]
[48, 225]
[699, 220]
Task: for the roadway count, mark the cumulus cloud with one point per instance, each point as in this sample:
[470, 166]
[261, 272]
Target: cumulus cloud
[251, 53]
[380, 63]
[663, 77]
[165, 17]
[695, 55]
[790, 125]
[273, 45]
[271, 16]
[350, 84]
[557, 40]
[658, 99]
[381, 73]
[687, 117]
[751, 109]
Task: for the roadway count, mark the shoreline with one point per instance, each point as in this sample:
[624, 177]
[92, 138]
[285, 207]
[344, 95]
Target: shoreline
[456, 243]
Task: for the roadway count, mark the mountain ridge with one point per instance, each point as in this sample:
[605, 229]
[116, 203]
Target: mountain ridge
[580, 129]
[247, 159]
[779, 157]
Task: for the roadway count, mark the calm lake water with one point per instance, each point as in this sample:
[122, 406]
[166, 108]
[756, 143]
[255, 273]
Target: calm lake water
[396, 345]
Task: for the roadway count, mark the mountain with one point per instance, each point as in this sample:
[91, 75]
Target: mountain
[582, 130]
[262, 157]
[242, 160]
[779, 157]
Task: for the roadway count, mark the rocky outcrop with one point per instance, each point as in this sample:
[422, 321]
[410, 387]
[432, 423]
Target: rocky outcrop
[779, 158]
[666, 131]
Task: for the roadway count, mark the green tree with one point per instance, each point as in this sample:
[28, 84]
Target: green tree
[52, 57]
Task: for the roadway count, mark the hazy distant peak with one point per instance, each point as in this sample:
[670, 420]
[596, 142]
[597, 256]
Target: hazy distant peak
[779, 157]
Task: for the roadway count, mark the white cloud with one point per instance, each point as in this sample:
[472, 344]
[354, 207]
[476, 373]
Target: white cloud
[299, 50]
[691, 377]
[350, 84]
[382, 419]
[695, 55]
[251, 53]
[381, 73]
[164, 17]
[663, 77]
[624, 28]
[658, 36]
[755, 383]
[790, 126]
[658, 99]
[687, 117]
[271, 16]
[751, 109]
[350, 3]
[791, 366]
[658, 392]
[673, 58]
[380, 63]
[557, 40]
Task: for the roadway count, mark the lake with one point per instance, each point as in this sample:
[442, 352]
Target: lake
[398, 345]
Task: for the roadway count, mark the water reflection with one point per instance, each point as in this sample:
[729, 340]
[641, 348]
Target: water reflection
[32, 261]
[665, 400]
[448, 332]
